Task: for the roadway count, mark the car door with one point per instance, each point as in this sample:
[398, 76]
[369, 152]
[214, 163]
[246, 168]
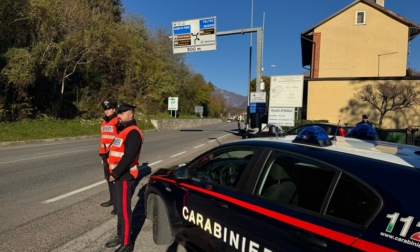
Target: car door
[213, 180]
[287, 208]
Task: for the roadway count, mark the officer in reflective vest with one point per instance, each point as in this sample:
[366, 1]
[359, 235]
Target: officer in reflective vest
[123, 163]
[108, 133]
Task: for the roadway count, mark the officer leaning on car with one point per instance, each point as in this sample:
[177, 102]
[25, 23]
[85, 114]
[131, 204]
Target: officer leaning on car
[108, 133]
[123, 162]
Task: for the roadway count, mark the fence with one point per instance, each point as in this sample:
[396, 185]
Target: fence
[410, 136]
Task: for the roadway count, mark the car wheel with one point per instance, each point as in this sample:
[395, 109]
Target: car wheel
[162, 234]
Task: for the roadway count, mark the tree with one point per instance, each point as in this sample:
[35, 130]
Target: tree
[387, 96]
[62, 58]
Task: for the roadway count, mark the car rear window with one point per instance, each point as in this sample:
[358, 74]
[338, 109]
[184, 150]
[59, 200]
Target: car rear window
[307, 184]
[353, 201]
[295, 181]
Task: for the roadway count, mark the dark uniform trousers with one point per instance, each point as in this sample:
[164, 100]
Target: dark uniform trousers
[123, 192]
[112, 194]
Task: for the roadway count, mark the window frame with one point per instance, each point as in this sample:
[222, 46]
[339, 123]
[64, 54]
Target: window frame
[214, 157]
[356, 21]
[329, 194]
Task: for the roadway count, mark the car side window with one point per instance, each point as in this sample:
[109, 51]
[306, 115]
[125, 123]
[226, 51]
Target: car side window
[295, 181]
[223, 167]
[303, 183]
[353, 201]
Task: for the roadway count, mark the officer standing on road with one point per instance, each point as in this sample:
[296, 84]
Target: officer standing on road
[123, 163]
[108, 133]
[364, 120]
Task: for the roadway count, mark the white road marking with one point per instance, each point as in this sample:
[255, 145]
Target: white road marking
[224, 136]
[102, 182]
[73, 192]
[57, 154]
[157, 162]
[178, 154]
[84, 188]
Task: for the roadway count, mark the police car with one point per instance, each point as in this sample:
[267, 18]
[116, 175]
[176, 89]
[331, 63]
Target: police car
[294, 193]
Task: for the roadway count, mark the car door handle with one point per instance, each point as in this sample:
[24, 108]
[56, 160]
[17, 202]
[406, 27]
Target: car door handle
[221, 204]
[309, 238]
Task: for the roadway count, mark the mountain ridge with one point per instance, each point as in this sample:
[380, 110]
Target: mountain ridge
[231, 99]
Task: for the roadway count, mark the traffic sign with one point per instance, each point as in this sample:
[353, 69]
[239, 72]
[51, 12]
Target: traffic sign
[286, 91]
[194, 35]
[282, 116]
[255, 107]
[172, 103]
[258, 97]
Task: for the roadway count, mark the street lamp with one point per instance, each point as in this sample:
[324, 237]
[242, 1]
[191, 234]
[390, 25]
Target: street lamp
[274, 68]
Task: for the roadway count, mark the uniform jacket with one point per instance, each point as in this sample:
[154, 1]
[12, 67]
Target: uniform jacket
[125, 152]
[108, 133]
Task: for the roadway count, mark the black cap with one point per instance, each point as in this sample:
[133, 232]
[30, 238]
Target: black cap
[107, 105]
[122, 107]
[365, 116]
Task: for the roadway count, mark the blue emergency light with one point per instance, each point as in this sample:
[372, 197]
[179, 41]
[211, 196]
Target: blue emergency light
[363, 131]
[313, 135]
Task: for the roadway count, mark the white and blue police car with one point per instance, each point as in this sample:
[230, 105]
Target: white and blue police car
[293, 193]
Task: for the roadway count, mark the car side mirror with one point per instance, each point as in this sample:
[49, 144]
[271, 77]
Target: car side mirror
[181, 172]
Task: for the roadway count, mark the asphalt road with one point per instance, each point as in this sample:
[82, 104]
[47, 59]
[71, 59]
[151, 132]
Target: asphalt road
[50, 191]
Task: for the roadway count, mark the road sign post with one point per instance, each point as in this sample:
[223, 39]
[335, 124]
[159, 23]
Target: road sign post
[173, 104]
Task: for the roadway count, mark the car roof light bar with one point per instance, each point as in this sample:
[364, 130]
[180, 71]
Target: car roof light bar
[313, 135]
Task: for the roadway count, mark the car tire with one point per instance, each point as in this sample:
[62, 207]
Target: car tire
[162, 233]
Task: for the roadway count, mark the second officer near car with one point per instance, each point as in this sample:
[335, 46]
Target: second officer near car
[108, 133]
[123, 163]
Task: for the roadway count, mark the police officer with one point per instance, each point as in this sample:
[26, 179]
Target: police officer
[123, 163]
[108, 133]
[365, 120]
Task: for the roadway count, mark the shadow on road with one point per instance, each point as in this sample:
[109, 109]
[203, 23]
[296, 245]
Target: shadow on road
[139, 213]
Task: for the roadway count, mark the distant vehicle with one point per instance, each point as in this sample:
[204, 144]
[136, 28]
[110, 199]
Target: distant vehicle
[291, 193]
[229, 120]
[330, 129]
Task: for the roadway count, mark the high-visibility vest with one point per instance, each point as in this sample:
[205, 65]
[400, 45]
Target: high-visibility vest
[108, 133]
[117, 151]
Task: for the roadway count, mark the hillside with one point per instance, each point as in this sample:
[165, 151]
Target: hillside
[231, 99]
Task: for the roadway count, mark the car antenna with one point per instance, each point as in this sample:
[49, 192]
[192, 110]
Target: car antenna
[336, 130]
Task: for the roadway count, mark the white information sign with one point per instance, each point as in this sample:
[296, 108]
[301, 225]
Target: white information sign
[172, 103]
[194, 35]
[281, 116]
[259, 97]
[286, 91]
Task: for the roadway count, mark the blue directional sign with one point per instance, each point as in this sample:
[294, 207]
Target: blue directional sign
[256, 107]
[207, 23]
[183, 29]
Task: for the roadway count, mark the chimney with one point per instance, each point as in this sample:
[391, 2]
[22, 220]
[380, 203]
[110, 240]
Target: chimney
[380, 2]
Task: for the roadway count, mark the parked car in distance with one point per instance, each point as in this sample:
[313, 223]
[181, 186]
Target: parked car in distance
[330, 129]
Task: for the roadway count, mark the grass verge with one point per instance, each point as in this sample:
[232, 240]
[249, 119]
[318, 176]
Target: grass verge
[52, 128]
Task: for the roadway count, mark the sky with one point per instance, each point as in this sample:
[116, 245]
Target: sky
[283, 22]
